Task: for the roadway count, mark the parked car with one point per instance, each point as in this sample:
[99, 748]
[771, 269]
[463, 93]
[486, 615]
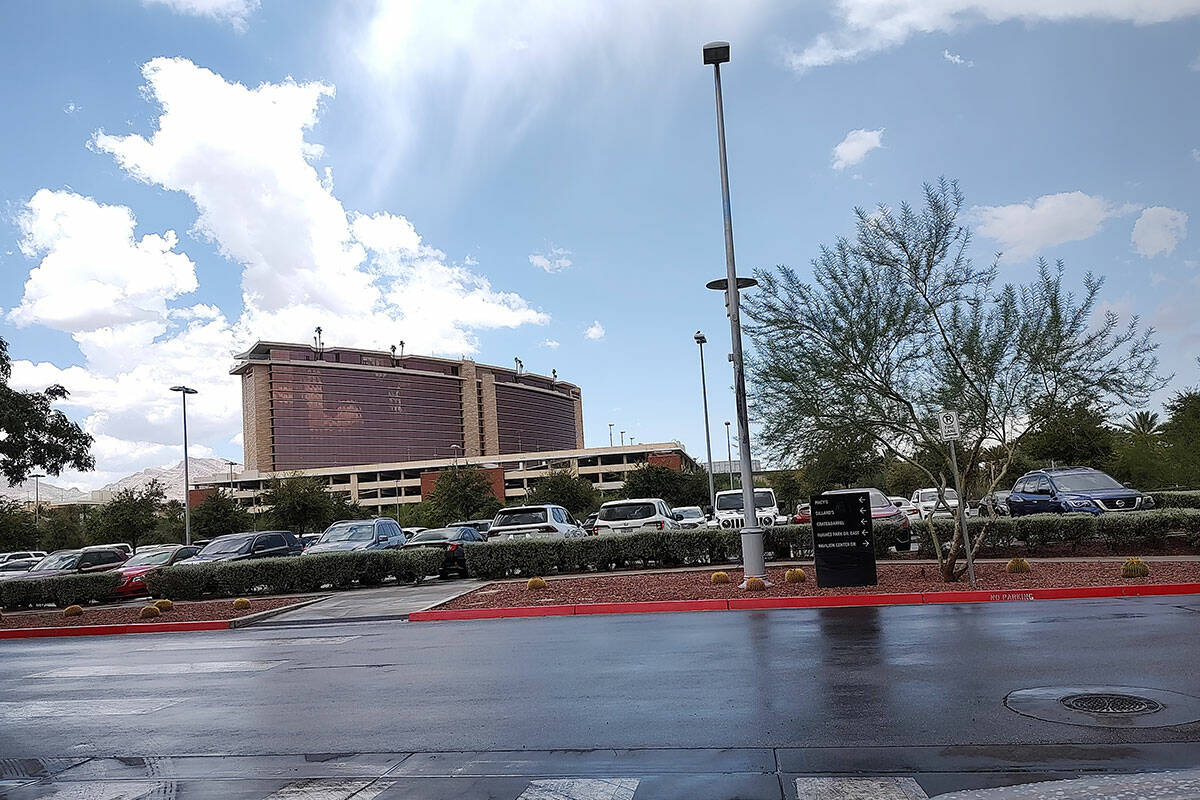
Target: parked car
[729, 510]
[534, 522]
[453, 541]
[931, 506]
[994, 504]
[884, 510]
[309, 539]
[481, 525]
[803, 515]
[626, 516]
[907, 506]
[411, 532]
[251, 544]
[690, 517]
[1056, 491]
[18, 565]
[22, 555]
[359, 534]
[126, 548]
[72, 562]
[589, 523]
[134, 571]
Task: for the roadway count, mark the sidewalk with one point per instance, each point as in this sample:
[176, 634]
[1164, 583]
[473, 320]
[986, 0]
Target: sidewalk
[370, 605]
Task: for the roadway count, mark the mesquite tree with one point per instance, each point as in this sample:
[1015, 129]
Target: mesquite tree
[898, 324]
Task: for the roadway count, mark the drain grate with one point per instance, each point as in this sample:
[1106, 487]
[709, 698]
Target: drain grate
[1109, 703]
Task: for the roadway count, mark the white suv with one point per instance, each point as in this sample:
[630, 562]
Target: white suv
[534, 522]
[927, 501]
[627, 516]
[729, 508]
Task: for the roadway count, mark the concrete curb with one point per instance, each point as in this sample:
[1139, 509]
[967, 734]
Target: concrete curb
[834, 601]
[259, 616]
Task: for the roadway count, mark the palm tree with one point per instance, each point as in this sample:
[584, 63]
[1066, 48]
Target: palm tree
[1142, 423]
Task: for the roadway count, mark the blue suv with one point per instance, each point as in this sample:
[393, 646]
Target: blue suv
[1055, 491]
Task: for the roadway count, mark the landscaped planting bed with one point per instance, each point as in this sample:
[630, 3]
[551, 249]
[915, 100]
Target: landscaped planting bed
[697, 585]
[128, 615]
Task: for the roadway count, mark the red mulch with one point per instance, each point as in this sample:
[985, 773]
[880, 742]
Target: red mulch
[128, 615]
[892, 578]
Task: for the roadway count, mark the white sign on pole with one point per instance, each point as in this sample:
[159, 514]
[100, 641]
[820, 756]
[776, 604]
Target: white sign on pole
[948, 426]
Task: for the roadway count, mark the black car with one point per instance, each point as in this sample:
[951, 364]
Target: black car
[453, 541]
[18, 565]
[481, 525]
[253, 544]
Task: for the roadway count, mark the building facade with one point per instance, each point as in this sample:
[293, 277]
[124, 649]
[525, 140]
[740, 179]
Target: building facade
[306, 408]
[378, 487]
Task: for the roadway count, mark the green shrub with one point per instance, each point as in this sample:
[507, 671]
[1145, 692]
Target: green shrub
[294, 574]
[1184, 499]
[59, 590]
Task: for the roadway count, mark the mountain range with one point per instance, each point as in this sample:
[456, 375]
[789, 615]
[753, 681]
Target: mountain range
[171, 477]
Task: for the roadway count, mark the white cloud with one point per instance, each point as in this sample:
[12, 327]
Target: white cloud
[70, 108]
[595, 331]
[1156, 278]
[854, 148]
[556, 259]
[241, 154]
[1158, 230]
[234, 12]
[955, 58]
[1025, 229]
[550, 344]
[871, 26]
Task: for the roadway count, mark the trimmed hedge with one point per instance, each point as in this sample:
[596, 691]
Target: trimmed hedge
[59, 590]
[293, 574]
[1176, 499]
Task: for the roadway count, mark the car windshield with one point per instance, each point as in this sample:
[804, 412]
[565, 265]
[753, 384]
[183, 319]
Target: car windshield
[435, 535]
[17, 565]
[58, 561]
[520, 516]
[731, 502]
[226, 546]
[153, 559]
[689, 513]
[350, 532]
[1085, 482]
[627, 511]
[931, 495]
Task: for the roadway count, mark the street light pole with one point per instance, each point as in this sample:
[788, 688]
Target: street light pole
[728, 455]
[184, 391]
[712, 493]
[753, 563]
[610, 427]
[622, 438]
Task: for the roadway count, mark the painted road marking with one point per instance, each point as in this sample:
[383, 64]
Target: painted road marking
[215, 644]
[331, 789]
[35, 709]
[580, 789]
[859, 789]
[109, 790]
[116, 670]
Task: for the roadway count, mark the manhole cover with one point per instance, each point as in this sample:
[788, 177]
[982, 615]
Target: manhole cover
[1103, 703]
[1106, 706]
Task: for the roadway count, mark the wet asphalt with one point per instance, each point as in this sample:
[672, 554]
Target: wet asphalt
[740, 700]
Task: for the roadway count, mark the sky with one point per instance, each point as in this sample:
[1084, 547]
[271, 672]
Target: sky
[538, 180]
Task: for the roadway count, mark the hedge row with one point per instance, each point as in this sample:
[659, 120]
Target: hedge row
[495, 560]
[293, 574]
[60, 590]
[1121, 530]
[1178, 499]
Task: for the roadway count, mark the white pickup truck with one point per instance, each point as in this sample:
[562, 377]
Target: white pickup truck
[729, 510]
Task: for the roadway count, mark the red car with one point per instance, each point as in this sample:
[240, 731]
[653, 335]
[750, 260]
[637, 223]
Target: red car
[133, 572]
[803, 515]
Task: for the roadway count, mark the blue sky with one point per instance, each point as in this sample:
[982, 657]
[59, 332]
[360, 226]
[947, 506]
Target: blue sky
[539, 180]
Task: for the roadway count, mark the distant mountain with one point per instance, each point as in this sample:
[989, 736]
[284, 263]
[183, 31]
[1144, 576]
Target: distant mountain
[171, 477]
[49, 492]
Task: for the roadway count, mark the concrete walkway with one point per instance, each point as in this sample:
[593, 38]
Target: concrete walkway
[1184, 785]
[370, 605]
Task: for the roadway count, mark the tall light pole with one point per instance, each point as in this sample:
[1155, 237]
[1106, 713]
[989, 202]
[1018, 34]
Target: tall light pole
[622, 438]
[37, 508]
[728, 455]
[712, 493]
[717, 53]
[610, 439]
[230, 464]
[184, 391]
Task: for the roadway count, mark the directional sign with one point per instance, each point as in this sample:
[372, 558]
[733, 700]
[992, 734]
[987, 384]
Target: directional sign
[948, 426]
[842, 540]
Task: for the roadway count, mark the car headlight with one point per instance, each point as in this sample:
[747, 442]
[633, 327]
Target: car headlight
[138, 579]
[1079, 503]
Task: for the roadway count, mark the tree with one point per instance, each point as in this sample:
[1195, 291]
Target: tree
[899, 324]
[16, 526]
[674, 487]
[1181, 438]
[299, 503]
[66, 527]
[218, 515]
[563, 487]
[1141, 423]
[462, 493]
[35, 436]
[790, 489]
[131, 516]
[1074, 434]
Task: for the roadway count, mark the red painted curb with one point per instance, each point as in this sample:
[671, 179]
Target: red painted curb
[652, 606]
[831, 601]
[104, 630]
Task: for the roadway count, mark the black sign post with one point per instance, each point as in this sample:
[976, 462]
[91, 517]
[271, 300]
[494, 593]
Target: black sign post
[842, 540]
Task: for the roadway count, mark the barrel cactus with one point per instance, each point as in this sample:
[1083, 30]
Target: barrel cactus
[720, 577]
[535, 583]
[1135, 568]
[1017, 566]
[795, 576]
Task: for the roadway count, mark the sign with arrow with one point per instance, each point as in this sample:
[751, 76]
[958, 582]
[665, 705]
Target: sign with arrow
[843, 542]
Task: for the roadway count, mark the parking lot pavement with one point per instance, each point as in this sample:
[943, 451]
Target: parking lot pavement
[371, 605]
[687, 705]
